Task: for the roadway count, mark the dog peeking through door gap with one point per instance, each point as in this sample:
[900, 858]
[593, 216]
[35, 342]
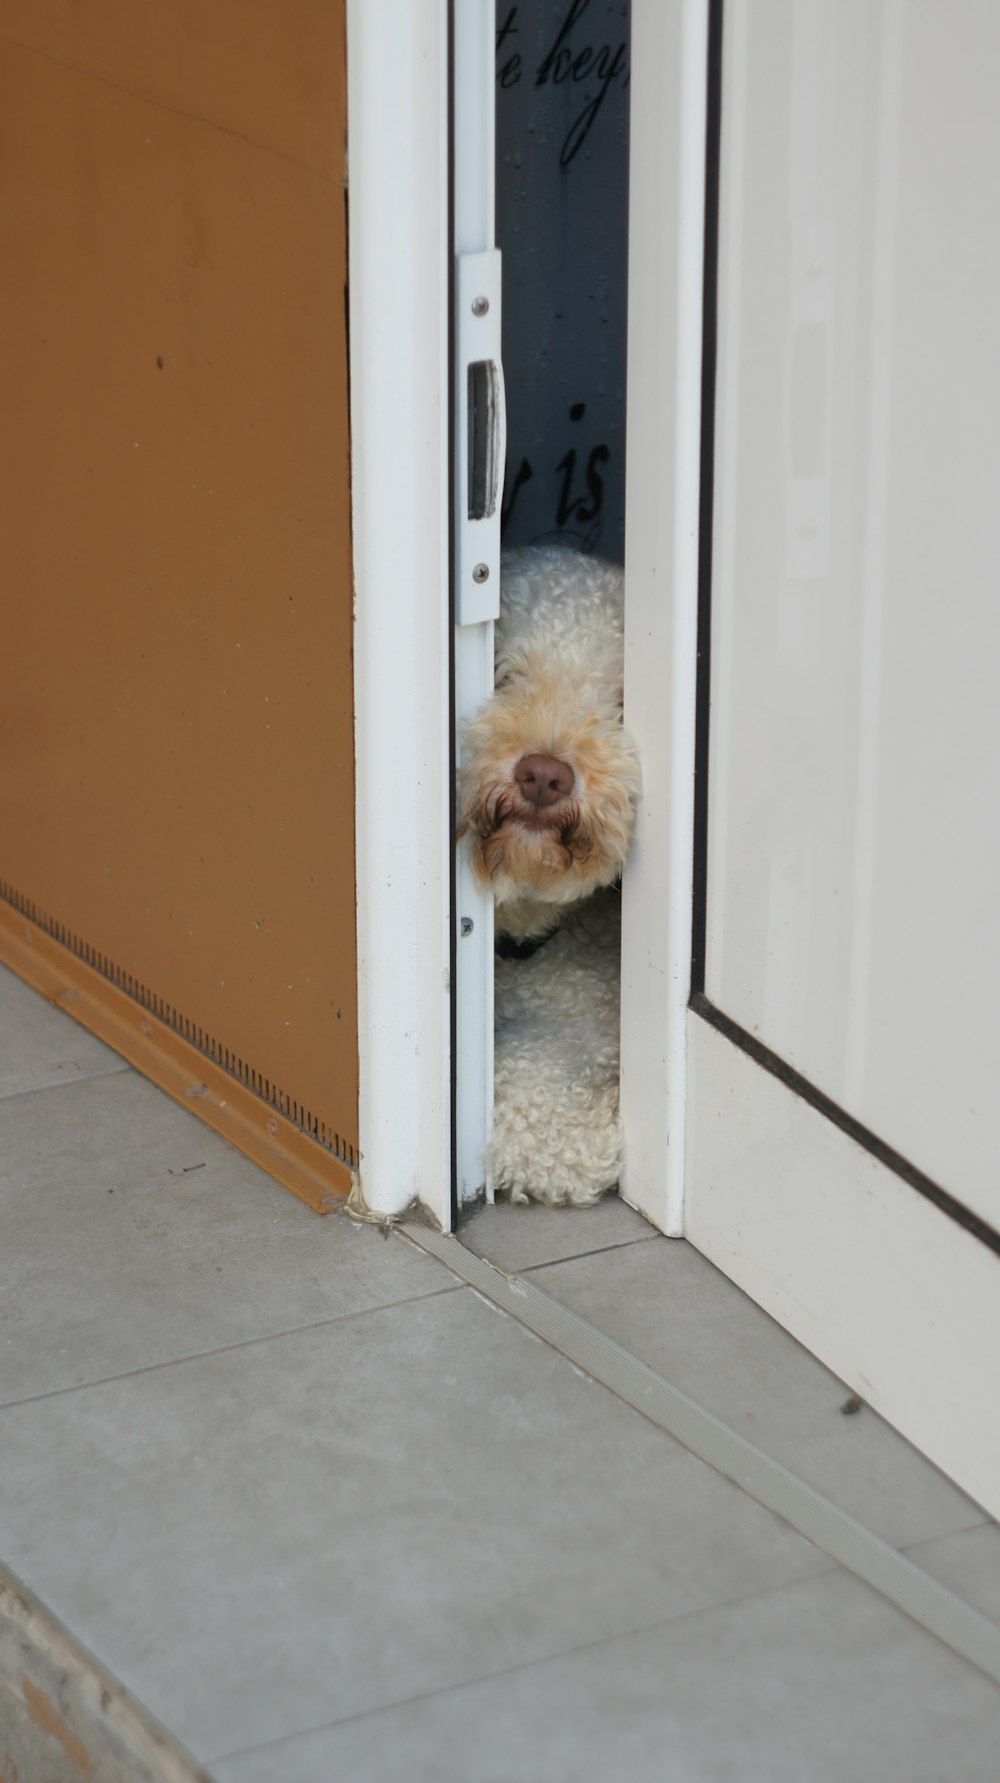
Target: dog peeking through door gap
[547, 787]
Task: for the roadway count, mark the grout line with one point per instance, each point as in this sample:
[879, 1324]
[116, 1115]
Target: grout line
[624, 1244]
[67, 1083]
[829, 1528]
[222, 1349]
[525, 1665]
[947, 1535]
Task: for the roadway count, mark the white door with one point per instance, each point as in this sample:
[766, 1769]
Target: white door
[843, 1035]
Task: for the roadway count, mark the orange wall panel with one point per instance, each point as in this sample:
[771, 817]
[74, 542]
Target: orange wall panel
[270, 71]
[176, 720]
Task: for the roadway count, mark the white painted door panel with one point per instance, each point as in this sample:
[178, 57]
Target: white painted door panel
[896, 1298]
[844, 1031]
[854, 817]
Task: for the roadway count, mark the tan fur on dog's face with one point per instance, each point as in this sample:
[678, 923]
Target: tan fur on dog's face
[575, 845]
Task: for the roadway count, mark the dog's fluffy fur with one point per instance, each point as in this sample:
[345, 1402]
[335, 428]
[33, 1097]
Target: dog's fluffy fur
[559, 659]
[556, 1128]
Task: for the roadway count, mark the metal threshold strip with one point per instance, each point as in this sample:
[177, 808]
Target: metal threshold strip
[847, 1541]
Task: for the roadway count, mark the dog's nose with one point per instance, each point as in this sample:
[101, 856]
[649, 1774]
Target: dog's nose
[543, 780]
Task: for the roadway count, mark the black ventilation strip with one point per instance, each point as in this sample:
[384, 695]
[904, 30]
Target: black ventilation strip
[231, 1062]
[700, 1004]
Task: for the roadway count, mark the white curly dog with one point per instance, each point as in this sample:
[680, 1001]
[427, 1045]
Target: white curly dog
[548, 785]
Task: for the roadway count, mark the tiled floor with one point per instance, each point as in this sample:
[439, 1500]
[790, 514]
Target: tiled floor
[329, 1514]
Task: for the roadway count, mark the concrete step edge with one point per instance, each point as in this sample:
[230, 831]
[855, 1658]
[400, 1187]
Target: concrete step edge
[64, 1717]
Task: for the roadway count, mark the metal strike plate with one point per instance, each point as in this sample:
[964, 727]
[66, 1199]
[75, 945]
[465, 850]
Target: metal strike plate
[481, 437]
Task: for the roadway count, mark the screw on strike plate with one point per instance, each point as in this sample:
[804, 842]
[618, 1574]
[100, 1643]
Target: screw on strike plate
[481, 572]
[480, 306]
[466, 925]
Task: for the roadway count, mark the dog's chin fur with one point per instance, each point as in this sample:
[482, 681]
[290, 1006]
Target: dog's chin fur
[544, 862]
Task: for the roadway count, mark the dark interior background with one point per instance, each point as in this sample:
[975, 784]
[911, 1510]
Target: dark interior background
[562, 69]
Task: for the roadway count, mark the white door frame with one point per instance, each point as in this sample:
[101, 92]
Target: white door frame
[663, 478]
[399, 266]
[399, 258]
[476, 550]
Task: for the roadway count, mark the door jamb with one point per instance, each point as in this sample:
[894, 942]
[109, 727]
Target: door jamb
[398, 292]
[666, 280]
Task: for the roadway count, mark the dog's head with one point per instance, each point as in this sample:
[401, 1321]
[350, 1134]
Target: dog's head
[548, 786]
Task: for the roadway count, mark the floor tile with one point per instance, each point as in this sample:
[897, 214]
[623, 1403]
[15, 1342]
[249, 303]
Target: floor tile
[822, 1682]
[522, 1237]
[277, 1536]
[676, 1312]
[40, 1046]
[134, 1235]
[968, 1563]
